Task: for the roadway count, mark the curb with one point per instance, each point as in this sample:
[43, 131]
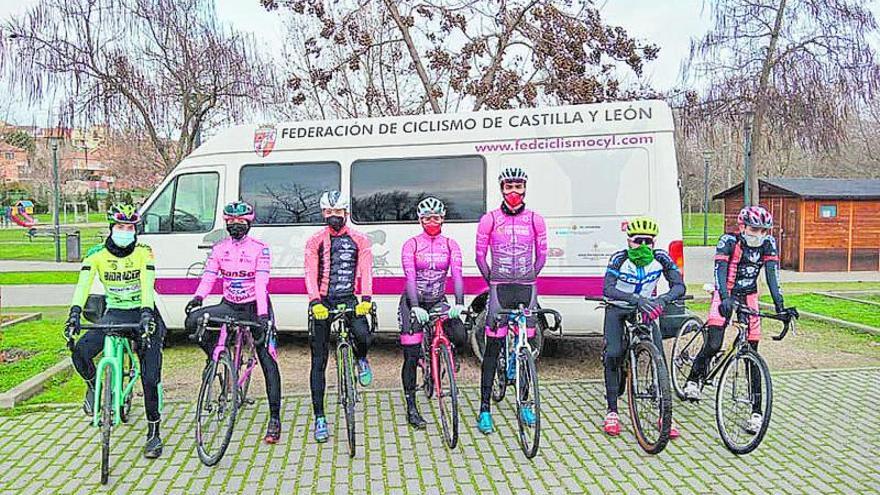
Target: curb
[833, 321]
[850, 299]
[32, 386]
[23, 318]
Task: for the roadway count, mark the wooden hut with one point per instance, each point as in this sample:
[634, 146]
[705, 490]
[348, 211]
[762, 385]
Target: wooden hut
[820, 224]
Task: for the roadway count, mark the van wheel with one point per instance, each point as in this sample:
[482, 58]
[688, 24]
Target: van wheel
[478, 335]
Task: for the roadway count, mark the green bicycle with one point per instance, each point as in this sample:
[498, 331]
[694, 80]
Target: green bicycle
[115, 377]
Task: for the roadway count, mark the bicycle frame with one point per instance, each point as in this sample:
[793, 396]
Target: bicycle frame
[242, 338]
[115, 350]
[439, 338]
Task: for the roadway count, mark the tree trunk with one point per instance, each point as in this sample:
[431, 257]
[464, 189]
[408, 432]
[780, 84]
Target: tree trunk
[761, 107]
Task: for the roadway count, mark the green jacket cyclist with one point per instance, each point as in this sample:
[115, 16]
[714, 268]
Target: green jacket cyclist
[126, 269]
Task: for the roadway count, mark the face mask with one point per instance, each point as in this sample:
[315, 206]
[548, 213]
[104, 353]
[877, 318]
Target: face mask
[238, 230]
[753, 240]
[122, 238]
[432, 229]
[335, 222]
[640, 256]
[514, 199]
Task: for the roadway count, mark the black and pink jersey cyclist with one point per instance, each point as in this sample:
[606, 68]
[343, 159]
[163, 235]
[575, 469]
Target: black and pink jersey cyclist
[739, 258]
[243, 263]
[428, 259]
[516, 237]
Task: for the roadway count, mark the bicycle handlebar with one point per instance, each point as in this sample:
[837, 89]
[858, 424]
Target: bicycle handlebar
[788, 320]
[557, 318]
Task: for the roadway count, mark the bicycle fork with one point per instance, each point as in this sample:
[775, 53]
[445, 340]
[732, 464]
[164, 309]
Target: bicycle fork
[113, 358]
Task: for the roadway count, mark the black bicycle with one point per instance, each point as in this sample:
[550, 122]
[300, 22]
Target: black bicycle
[644, 376]
[745, 390]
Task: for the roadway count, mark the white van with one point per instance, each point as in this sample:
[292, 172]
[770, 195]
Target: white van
[590, 168]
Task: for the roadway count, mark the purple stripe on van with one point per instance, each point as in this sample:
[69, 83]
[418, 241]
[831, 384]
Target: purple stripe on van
[547, 286]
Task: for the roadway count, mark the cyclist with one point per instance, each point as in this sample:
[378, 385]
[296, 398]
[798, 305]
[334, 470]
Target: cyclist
[739, 258]
[334, 258]
[127, 270]
[632, 276]
[243, 263]
[426, 259]
[517, 239]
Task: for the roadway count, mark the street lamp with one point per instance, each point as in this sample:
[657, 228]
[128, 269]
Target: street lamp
[747, 155]
[54, 141]
[707, 157]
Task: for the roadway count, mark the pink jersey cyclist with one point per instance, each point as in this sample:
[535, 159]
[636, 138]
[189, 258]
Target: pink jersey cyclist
[516, 237]
[243, 263]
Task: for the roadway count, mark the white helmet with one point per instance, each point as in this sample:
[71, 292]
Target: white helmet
[513, 174]
[334, 199]
[431, 206]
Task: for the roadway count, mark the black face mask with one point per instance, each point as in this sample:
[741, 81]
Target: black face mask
[238, 230]
[335, 222]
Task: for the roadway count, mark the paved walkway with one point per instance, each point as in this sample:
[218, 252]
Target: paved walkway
[37, 295]
[37, 266]
[823, 439]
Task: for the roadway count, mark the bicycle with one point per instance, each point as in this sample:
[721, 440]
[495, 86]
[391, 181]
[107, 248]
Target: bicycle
[740, 371]
[644, 377]
[225, 382]
[340, 321]
[115, 376]
[525, 373]
[441, 367]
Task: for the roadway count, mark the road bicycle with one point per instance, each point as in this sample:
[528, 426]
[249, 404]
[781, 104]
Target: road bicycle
[743, 379]
[523, 373]
[643, 375]
[225, 382]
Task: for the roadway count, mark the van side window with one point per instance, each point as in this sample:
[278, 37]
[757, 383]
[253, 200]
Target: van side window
[187, 204]
[288, 193]
[388, 190]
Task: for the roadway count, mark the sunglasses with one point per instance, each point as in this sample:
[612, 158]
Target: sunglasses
[123, 218]
[643, 241]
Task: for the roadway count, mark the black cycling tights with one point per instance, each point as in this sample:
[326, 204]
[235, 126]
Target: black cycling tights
[490, 366]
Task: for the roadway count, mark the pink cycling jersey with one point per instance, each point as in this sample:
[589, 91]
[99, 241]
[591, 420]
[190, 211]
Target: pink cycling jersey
[426, 262]
[518, 244]
[244, 266]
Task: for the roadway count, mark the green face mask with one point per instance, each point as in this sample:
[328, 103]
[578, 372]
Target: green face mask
[641, 255]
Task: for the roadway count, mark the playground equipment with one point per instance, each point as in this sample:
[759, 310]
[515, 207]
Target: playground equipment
[22, 213]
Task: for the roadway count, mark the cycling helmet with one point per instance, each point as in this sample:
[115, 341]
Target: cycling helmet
[238, 209]
[513, 174]
[431, 206]
[755, 216]
[123, 213]
[642, 226]
[334, 199]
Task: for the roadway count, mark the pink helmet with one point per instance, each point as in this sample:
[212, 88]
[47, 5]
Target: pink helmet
[755, 216]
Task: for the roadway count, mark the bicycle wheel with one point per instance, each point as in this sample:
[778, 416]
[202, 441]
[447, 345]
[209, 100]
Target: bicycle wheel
[499, 386]
[216, 409]
[650, 398]
[447, 395]
[106, 421]
[127, 377]
[527, 396]
[744, 389]
[345, 364]
[688, 342]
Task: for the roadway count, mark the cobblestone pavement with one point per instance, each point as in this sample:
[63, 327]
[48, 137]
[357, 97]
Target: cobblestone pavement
[823, 439]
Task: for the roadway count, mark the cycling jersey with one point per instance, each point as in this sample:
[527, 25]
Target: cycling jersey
[128, 281]
[244, 266]
[624, 279]
[333, 262]
[737, 266]
[518, 243]
[426, 262]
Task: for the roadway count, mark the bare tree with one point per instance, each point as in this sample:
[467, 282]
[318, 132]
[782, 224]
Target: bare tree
[803, 67]
[393, 57]
[166, 68]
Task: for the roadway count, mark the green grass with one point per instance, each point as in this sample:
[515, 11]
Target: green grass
[855, 312]
[802, 287]
[15, 245]
[692, 228]
[44, 337]
[38, 278]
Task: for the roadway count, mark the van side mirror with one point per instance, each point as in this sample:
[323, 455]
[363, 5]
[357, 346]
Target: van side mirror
[212, 238]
